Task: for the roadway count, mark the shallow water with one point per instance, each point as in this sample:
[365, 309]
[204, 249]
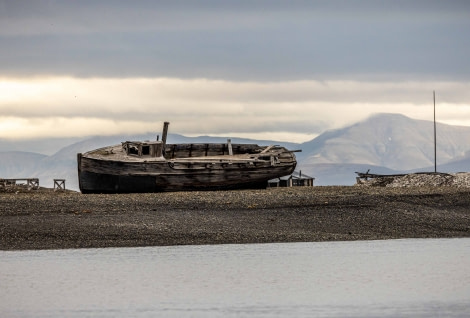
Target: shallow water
[412, 277]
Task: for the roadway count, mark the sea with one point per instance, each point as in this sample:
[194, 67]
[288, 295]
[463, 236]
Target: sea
[384, 278]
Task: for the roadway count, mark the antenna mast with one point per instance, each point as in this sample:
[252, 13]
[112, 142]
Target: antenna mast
[435, 144]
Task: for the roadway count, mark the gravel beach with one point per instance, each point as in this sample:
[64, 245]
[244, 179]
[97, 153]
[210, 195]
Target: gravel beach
[44, 219]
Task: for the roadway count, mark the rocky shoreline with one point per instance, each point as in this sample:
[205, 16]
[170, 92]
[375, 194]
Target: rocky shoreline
[427, 179]
[44, 219]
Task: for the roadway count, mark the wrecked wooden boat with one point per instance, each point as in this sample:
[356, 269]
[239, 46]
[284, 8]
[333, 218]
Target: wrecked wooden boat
[155, 166]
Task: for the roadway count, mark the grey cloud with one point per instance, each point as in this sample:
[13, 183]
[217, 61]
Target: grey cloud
[263, 40]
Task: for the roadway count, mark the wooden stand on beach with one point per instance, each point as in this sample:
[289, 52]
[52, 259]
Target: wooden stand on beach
[31, 183]
[59, 184]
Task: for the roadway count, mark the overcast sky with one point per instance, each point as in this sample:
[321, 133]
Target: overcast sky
[285, 70]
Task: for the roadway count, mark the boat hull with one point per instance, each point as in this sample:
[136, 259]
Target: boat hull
[104, 176]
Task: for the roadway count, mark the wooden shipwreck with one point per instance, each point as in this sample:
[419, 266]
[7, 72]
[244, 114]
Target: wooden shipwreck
[155, 166]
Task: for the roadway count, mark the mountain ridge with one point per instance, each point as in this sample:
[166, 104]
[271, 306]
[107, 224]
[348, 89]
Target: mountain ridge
[384, 143]
[390, 140]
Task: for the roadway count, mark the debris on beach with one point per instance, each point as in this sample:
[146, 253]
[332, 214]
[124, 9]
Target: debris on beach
[460, 180]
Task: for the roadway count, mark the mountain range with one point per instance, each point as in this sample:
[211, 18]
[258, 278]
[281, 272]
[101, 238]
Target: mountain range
[383, 143]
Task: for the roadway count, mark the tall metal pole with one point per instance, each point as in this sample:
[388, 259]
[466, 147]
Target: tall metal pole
[435, 144]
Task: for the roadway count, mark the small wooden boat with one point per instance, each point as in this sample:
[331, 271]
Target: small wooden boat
[154, 166]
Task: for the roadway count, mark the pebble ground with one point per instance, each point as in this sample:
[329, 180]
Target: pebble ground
[44, 219]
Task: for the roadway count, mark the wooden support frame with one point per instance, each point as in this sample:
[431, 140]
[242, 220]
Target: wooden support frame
[59, 184]
[31, 183]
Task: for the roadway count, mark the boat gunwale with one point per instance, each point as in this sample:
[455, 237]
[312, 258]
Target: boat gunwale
[225, 158]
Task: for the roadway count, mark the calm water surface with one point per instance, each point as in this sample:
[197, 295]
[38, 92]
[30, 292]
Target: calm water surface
[412, 277]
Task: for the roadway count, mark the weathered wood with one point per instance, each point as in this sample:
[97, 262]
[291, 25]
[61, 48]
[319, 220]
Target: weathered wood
[204, 166]
[59, 184]
[100, 173]
[229, 145]
[201, 150]
[31, 183]
[267, 149]
[165, 132]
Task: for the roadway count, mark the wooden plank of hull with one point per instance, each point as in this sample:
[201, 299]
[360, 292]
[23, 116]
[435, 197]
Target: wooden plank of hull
[200, 150]
[100, 176]
[100, 183]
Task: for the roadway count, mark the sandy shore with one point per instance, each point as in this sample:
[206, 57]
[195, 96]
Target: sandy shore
[43, 219]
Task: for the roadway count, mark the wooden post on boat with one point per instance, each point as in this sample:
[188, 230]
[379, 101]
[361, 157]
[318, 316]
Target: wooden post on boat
[164, 133]
[229, 145]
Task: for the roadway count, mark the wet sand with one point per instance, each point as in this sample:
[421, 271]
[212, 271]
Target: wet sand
[43, 219]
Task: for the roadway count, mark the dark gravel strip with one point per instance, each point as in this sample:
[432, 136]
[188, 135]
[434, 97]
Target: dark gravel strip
[43, 219]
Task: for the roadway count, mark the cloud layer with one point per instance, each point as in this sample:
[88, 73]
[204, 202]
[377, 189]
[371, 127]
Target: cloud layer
[292, 110]
[242, 40]
[285, 70]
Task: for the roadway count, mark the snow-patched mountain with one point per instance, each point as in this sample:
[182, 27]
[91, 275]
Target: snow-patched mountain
[384, 143]
[389, 140]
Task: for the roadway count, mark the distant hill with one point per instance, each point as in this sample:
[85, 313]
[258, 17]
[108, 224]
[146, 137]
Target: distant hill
[460, 164]
[45, 146]
[383, 143]
[19, 163]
